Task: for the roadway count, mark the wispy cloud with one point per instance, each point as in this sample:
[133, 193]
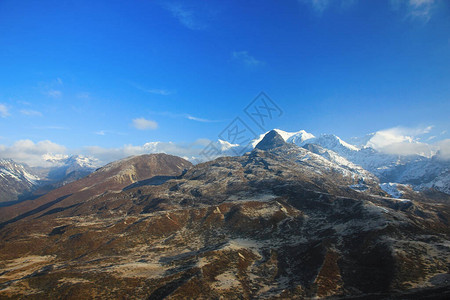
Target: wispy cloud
[420, 10]
[83, 95]
[29, 112]
[246, 59]
[100, 132]
[319, 6]
[26, 103]
[186, 16]
[184, 116]
[51, 127]
[162, 92]
[53, 93]
[189, 117]
[144, 124]
[52, 88]
[4, 111]
[105, 132]
[159, 92]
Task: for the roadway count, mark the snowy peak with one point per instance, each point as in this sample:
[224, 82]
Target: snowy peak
[288, 137]
[332, 142]
[15, 180]
[299, 137]
[16, 171]
[82, 162]
[270, 141]
[74, 161]
[224, 145]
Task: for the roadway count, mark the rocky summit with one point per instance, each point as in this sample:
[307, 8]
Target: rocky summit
[270, 141]
[280, 222]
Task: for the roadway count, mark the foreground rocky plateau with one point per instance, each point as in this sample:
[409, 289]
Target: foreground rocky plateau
[280, 222]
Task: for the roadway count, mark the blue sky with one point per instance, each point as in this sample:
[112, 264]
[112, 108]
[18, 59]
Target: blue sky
[79, 75]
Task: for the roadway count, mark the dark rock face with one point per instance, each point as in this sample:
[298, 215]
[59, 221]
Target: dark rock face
[270, 141]
[279, 223]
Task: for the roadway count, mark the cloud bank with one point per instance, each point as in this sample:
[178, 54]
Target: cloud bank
[33, 154]
[397, 140]
[402, 141]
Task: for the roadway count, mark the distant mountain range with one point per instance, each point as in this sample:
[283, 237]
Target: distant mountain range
[282, 221]
[419, 171]
[19, 181]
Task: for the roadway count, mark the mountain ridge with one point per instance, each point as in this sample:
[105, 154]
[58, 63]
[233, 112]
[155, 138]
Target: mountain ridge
[283, 222]
[112, 177]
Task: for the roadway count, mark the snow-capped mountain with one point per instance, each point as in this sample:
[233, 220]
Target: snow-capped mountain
[419, 170]
[16, 180]
[278, 222]
[366, 157]
[290, 137]
[317, 160]
[67, 169]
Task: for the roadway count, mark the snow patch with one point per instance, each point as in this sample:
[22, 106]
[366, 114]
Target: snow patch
[392, 189]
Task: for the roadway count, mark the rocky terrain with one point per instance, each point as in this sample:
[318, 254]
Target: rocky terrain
[280, 222]
[111, 178]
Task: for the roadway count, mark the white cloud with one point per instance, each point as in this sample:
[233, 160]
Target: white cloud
[189, 117]
[84, 95]
[444, 149]
[46, 153]
[33, 154]
[144, 124]
[26, 103]
[101, 132]
[186, 16]
[181, 115]
[53, 93]
[420, 10]
[4, 111]
[29, 112]
[318, 5]
[402, 141]
[246, 59]
[321, 5]
[185, 150]
[107, 132]
[51, 127]
[162, 92]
